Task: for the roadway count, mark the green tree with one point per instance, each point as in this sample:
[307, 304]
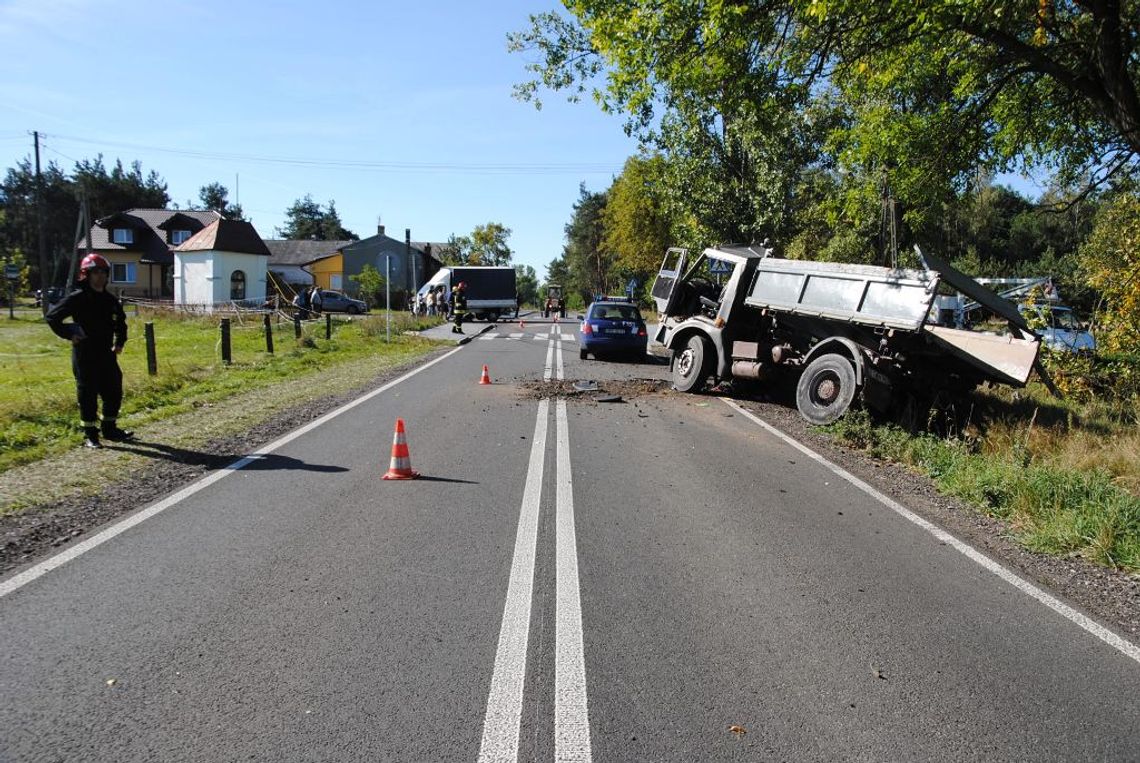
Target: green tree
[1110, 261]
[922, 93]
[371, 284]
[635, 221]
[526, 284]
[589, 264]
[457, 250]
[489, 245]
[105, 192]
[306, 220]
[215, 197]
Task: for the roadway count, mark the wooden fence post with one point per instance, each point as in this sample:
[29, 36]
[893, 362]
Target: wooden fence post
[328, 326]
[297, 326]
[268, 334]
[151, 358]
[227, 356]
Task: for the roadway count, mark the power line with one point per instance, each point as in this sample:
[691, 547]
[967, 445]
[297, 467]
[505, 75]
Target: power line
[372, 166]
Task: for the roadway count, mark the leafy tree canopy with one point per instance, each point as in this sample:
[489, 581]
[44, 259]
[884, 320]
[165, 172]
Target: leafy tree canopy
[306, 220]
[486, 245]
[215, 197]
[920, 94]
[526, 284]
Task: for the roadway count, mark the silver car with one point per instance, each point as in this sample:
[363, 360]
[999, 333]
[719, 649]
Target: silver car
[339, 302]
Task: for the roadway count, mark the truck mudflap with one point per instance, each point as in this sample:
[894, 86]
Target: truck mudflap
[1001, 358]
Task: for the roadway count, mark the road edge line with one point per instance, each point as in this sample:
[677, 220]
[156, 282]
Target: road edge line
[1083, 621]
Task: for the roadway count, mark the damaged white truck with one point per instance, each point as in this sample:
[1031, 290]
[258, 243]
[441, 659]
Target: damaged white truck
[841, 332]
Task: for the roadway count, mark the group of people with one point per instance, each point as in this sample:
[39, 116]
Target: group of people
[308, 302]
[433, 303]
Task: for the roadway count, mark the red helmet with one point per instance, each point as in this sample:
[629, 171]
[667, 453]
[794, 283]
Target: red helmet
[462, 284]
[91, 262]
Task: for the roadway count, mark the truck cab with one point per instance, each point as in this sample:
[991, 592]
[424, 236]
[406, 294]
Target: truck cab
[697, 299]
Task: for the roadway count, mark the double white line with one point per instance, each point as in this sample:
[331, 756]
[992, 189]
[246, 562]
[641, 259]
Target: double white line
[504, 703]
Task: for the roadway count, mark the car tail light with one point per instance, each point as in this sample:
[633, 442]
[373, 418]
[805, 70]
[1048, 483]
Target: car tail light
[587, 328]
[641, 331]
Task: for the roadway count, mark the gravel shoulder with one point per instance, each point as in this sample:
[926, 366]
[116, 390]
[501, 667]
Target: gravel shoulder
[52, 504]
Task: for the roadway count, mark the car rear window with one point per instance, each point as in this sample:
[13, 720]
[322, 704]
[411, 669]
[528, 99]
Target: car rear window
[615, 313]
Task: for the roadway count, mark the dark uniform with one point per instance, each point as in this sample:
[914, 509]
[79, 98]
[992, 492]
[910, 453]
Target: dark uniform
[100, 316]
[458, 307]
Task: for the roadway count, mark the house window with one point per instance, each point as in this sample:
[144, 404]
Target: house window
[122, 272]
[237, 285]
[123, 236]
[178, 236]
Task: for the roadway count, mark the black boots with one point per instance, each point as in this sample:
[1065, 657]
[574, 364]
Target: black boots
[112, 432]
[91, 437]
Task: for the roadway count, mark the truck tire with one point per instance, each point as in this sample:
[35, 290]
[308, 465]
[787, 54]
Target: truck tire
[692, 365]
[826, 389]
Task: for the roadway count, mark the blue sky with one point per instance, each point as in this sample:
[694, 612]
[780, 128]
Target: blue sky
[397, 111]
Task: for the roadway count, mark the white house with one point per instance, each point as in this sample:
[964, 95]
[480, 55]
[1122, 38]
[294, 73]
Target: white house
[223, 263]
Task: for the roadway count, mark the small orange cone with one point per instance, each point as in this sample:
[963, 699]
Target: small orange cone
[522, 323]
[401, 466]
[486, 378]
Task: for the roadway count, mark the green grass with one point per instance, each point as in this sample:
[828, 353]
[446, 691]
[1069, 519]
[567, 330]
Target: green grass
[1050, 504]
[38, 411]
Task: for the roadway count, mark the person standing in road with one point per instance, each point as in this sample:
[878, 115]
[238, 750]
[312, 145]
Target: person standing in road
[458, 306]
[97, 332]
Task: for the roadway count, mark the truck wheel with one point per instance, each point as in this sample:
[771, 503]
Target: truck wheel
[826, 389]
[692, 365]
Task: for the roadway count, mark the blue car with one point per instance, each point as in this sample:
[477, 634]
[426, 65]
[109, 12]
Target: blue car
[612, 327]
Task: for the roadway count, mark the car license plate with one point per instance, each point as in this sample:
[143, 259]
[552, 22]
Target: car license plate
[617, 331]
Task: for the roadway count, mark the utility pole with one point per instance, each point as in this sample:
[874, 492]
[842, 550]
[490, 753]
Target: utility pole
[408, 254]
[40, 226]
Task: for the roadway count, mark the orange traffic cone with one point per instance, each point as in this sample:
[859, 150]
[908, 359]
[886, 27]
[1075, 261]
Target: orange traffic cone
[522, 324]
[486, 378]
[401, 466]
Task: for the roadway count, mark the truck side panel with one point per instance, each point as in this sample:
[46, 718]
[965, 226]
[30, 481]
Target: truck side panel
[861, 294]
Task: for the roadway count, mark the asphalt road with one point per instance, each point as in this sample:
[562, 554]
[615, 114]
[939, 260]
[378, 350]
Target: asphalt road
[655, 579]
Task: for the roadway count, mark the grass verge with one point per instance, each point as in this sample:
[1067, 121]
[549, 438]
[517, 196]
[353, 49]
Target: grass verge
[39, 416]
[1064, 483]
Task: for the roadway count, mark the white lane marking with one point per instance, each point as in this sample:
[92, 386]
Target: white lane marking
[487, 337]
[517, 335]
[561, 368]
[30, 574]
[571, 714]
[1091, 626]
[548, 369]
[504, 702]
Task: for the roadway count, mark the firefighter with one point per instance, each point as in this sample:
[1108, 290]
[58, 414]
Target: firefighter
[97, 332]
[459, 306]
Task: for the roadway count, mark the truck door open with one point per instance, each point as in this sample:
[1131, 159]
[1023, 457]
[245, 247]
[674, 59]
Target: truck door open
[664, 291]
